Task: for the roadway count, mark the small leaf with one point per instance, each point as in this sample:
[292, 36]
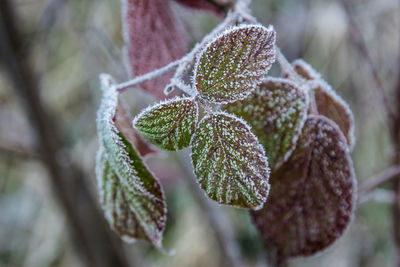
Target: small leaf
[229, 162]
[313, 194]
[153, 38]
[231, 66]
[169, 124]
[276, 111]
[142, 190]
[114, 202]
[328, 102]
[124, 125]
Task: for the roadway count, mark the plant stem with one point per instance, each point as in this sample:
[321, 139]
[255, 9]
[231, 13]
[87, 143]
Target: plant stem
[377, 180]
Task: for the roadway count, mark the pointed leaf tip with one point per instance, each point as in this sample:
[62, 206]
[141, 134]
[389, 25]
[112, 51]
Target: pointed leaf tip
[229, 162]
[276, 111]
[169, 124]
[139, 189]
[234, 63]
[313, 194]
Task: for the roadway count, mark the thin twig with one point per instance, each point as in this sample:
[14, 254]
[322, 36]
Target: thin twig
[377, 180]
[150, 75]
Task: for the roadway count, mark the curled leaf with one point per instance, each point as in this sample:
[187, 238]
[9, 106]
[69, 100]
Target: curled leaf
[153, 38]
[229, 162]
[232, 65]
[313, 194]
[276, 111]
[169, 124]
[328, 102]
[142, 190]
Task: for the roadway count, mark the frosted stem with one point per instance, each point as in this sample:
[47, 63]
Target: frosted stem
[150, 75]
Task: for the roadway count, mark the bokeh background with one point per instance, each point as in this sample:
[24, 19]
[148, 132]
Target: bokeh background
[72, 41]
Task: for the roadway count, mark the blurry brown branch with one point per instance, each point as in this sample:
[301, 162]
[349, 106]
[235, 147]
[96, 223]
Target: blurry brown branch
[17, 151]
[92, 237]
[377, 180]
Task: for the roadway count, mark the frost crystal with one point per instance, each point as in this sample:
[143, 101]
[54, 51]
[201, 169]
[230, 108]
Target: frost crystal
[170, 124]
[153, 38]
[142, 192]
[313, 194]
[234, 63]
[276, 112]
[229, 162]
[328, 102]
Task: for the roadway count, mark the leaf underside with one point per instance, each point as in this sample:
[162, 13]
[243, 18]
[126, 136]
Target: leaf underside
[229, 162]
[313, 194]
[328, 102]
[154, 38]
[170, 124]
[276, 112]
[232, 65]
[142, 191]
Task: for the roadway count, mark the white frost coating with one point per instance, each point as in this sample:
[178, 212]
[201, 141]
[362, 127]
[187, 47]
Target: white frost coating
[124, 166]
[229, 163]
[245, 80]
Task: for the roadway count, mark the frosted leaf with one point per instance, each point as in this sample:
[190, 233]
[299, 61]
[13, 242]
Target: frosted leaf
[312, 198]
[142, 190]
[153, 38]
[114, 202]
[229, 162]
[276, 111]
[169, 124]
[328, 102]
[234, 63]
[123, 123]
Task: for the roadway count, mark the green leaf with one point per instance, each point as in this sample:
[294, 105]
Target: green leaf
[328, 102]
[142, 190]
[114, 202]
[169, 124]
[313, 194]
[232, 65]
[276, 111]
[229, 162]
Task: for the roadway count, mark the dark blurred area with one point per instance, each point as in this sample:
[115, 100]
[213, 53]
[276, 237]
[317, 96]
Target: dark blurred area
[52, 52]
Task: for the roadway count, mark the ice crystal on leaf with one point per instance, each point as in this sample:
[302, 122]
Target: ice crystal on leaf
[229, 162]
[232, 65]
[154, 38]
[276, 112]
[328, 102]
[313, 193]
[170, 124]
[142, 192]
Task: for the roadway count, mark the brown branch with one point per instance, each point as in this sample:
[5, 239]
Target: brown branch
[92, 237]
[377, 180]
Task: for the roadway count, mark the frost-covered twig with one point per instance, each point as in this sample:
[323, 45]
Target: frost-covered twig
[150, 75]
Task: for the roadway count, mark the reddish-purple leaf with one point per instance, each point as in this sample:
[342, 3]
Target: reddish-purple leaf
[276, 111]
[328, 102]
[313, 194]
[153, 38]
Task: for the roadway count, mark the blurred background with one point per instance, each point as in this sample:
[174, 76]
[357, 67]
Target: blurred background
[48, 100]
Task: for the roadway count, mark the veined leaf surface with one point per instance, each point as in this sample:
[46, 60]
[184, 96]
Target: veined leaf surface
[229, 162]
[276, 111]
[313, 194]
[231, 66]
[142, 190]
[169, 124]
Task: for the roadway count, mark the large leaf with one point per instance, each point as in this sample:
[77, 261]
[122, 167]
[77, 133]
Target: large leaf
[114, 202]
[328, 102]
[142, 190]
[169, 124]
[313, 194]
[233, 64]
[154, 38]
[229, 162]
[276, 111]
